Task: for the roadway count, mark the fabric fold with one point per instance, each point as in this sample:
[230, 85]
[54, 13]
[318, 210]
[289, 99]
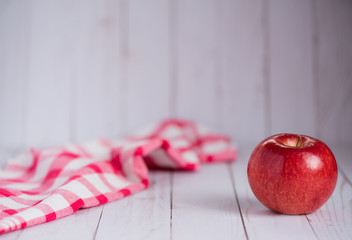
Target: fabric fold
[43, 185]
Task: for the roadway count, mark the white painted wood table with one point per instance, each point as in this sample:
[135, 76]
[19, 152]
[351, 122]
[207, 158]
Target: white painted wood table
[212, 203]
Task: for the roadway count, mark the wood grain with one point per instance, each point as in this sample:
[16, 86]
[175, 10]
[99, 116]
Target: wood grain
[242, 82]
[334, 219]
[104, 68]
[215, 201]
[14, 52]
[49, 73]
[97, 82]
[75, 70]
[197, 46]
[149, 83]
[291, 82]
[343, 158]
[333, 69]
[145, 215]
[204, 205]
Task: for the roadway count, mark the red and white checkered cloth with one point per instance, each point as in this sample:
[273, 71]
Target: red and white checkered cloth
[42, 185]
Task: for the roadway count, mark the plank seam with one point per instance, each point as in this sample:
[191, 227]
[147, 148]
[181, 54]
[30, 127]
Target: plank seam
[309, 221]
[124, 58]
[173, 48]
[19, 234]
[24, 79]
[219, 56]
[171, 201]
[266, 65]
[96, 229]
[315, 64]
[232, 179]
[73, 107]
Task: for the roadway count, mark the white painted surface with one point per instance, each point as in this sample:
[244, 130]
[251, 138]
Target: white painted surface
[148, 213]
[333, 59]
[204, 205]
[292, 92]
[74, 70]
[197, 46]
[96, 82]
[214, 202]
[13, 71]
[243, 89]
[148, 84]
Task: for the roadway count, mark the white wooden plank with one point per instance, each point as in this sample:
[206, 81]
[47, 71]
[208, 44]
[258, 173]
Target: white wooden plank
[145, 215]
[81, 225]
[260, 222]
[243, 88]
[50, 65]
[204, 205]
[14, 23]
[333, 71]
[343, 155]
[11, 235]
[148, 63]
[97, 100]
[196, 46]
[334, 219]
[291, 81]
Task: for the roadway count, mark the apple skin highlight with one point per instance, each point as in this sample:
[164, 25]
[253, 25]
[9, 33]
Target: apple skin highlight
[292, 174]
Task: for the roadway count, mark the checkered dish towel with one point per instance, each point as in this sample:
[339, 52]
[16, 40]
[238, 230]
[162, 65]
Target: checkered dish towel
[42, 185]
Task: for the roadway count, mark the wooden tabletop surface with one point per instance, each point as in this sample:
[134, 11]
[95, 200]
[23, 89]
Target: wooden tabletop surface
[212, 203]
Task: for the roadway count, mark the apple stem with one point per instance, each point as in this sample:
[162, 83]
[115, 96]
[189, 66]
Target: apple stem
[299, 139]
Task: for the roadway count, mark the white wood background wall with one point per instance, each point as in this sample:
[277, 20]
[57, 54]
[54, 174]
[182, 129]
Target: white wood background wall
[71, 70]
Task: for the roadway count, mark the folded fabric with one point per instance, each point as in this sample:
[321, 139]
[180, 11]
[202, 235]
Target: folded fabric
[42, 185]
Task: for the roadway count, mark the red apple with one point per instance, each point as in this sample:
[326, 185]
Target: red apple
[292, 174]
